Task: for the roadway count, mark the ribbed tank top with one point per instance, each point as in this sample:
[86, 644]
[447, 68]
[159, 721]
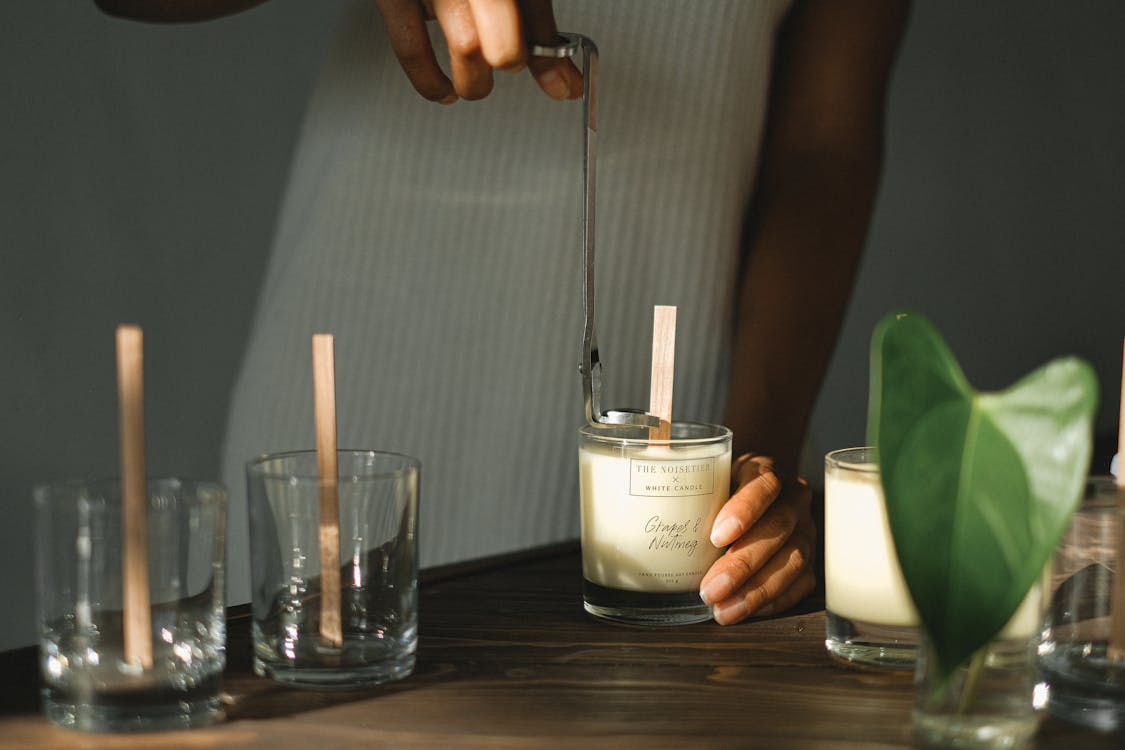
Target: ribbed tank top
[442, 247]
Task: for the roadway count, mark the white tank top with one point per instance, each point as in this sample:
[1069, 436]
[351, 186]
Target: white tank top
[442, 247]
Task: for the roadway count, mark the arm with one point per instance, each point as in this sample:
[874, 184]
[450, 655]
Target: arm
[807, 222]
[174, 11]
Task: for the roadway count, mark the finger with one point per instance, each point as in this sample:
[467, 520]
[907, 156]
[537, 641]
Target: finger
[775, 577]
[472, 75]
[806, 524]
[406, 27]
[759, 488]
[558, 78]
[789, 598]
[747, 555]
[798, 492]
[501, 33]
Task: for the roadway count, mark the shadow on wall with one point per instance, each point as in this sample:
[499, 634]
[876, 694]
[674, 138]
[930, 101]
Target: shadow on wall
[151, 163]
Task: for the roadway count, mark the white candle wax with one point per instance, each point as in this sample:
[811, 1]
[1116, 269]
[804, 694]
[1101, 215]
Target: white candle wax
[863, 580]
[647, 513]
[1028, 619]
[862, 577]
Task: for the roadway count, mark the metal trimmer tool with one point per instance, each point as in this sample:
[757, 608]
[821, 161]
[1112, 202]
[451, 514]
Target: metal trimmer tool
[591, 367]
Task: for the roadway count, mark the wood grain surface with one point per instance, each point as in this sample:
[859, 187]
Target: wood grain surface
[508, 659]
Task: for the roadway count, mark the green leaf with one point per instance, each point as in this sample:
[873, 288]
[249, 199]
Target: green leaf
[979, 486]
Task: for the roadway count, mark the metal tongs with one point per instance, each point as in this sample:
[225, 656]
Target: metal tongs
[591, 367]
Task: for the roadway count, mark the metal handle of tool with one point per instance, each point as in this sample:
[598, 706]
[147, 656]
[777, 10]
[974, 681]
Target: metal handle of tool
[591, 367]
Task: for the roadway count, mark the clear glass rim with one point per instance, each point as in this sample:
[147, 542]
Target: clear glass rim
[259, 466]
[719, 434]
[1100, 493]
[848, 459]
[63, 491]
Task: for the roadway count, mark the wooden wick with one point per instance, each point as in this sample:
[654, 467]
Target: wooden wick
[324, 394]
[1117, 613]
[663, 368]
[137, 615]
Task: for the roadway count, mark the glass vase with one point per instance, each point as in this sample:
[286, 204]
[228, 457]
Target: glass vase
[992, 699]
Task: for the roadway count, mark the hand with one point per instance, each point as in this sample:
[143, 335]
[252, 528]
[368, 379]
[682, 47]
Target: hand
[481, 35]
[769, 527]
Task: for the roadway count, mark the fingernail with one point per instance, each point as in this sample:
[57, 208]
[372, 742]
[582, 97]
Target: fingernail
[553, 83]
[515, 67]
[448, 99]
[715, 589]
[726, 532]
[731, 613]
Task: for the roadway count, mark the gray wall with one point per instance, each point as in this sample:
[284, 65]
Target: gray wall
[142, 167]
[1002, 209]
[141, 172]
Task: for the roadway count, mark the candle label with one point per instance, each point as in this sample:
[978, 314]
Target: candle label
[646, 517]
[672, 478]
[680, 535]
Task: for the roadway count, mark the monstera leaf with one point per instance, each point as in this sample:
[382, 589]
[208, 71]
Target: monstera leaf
[979, 486]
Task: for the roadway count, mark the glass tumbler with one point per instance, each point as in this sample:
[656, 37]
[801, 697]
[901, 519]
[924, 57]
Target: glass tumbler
[378, 503]
[88, 683]
[1087, 686]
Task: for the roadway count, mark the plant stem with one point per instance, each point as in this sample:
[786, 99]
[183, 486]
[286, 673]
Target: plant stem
[972, 679]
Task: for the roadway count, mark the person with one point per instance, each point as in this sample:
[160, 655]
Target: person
[740, 152]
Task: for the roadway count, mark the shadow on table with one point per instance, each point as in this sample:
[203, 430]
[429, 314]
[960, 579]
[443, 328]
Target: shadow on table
[19, 689]
[449, 609]
[496, 620]
[250, 697]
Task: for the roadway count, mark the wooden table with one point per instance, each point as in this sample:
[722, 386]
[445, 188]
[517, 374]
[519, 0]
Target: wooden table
[508, 659]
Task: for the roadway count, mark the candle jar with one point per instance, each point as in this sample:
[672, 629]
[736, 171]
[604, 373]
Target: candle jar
[870, 620]
[647, 510]
[993, 698]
